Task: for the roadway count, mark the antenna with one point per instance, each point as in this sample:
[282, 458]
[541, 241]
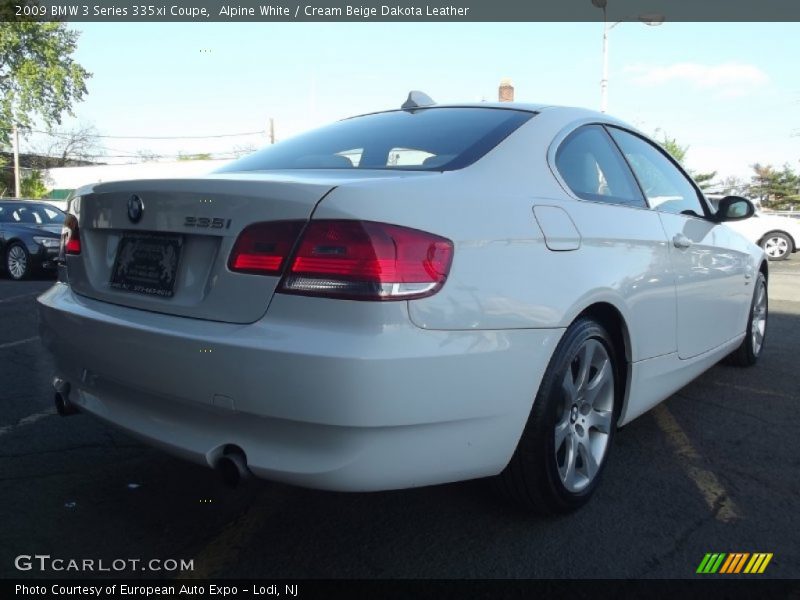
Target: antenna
[417, 99]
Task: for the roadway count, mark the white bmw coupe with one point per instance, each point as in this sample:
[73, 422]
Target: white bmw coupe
[405, 298]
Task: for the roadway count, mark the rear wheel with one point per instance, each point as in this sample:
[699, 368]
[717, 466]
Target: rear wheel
[17, 261]
[746, 355]
[777, 245]
[565, 444]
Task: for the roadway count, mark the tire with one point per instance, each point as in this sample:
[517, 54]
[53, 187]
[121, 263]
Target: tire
[746, 355]
[777, 245]
[551, 471]
[18, 261]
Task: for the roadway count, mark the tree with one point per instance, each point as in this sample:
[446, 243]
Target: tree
[199, 156]
[80, 143]
[671, 145]
[773, 188]
[38, 76]
[32, 185]
[678, 152]
[733, 186]
[147, 155]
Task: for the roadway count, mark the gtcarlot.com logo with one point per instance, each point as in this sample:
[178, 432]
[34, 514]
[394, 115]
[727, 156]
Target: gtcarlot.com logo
[734, 563]
[45, 562]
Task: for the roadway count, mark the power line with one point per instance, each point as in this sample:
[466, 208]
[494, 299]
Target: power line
[66, 134]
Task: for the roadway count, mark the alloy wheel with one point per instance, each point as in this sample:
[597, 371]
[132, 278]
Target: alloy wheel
[584, 417]
[17, 262]
[758, 322]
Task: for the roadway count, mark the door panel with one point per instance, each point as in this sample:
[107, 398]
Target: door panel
[709, 266]
[710, 283]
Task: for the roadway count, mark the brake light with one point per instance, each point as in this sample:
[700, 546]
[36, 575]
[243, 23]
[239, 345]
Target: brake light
[363, 260]
[70, 236]
[263, 248]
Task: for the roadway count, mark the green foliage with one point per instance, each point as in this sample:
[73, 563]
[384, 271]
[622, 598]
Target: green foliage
[671, 145]
[775, 188]
[200, 156]
[678, 152]
[32, 185]
[38, 76]
[703, 180]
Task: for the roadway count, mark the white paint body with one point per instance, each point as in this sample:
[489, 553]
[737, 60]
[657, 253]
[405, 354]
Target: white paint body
[761, 224]
[348, 395]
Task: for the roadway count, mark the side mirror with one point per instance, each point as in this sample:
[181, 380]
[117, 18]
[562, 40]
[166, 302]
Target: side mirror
[734, 208]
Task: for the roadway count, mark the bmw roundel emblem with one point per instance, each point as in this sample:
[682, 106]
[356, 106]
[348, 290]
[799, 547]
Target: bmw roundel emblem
[135, 208]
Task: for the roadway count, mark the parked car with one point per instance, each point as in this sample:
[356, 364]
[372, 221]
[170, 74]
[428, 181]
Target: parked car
[777, 235]
[406, 298]
[30, 234]
[59, 204]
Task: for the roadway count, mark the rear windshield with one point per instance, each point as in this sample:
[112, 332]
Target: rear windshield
[30, 214]
[432, 139]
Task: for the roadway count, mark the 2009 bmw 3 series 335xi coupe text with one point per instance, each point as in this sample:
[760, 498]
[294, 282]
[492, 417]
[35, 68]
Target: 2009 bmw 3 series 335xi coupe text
[405, 298]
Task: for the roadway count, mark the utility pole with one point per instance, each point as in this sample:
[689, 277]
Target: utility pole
[15, 135]
[271, 130]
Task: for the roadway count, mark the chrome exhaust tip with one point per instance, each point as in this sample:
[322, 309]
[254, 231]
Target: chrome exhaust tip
[64, 407]
[232, 467]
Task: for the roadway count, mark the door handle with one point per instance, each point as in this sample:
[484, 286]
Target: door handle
[681, 241]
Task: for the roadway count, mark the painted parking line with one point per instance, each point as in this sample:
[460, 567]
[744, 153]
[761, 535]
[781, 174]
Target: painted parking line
[224, 549]
[29, 420]
[18, 342]
[707, 483]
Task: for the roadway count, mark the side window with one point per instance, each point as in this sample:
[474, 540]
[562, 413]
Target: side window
[594, 170]
[666, 188]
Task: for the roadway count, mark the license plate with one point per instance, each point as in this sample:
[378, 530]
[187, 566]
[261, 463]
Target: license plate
[147, 263]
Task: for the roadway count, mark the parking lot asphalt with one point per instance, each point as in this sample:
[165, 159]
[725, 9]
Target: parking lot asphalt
[713, 469]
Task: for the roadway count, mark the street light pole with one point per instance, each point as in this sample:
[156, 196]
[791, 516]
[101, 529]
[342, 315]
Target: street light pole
[604, 80]
[15, 136]
[651, 20]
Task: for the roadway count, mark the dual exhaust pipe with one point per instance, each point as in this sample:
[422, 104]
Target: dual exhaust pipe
[64, 407]
[232, 465]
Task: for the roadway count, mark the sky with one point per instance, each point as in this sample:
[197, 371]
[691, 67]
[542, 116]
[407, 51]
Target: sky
[728, 91]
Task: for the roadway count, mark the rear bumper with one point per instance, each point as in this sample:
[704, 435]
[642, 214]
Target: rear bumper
[351, 401]
[43, 258]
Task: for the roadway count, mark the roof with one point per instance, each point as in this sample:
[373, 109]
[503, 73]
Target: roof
[523, 106]
[31, 200]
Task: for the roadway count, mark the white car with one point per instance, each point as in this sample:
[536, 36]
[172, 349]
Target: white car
[405, 298]
[778, 236]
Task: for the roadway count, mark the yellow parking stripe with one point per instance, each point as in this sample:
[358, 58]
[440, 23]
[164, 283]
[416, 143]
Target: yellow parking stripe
[706, 482]
[223, 550]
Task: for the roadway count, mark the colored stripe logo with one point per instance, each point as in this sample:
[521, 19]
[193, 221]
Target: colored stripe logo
[734, 563]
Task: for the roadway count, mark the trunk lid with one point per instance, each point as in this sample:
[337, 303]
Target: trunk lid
[201, 219]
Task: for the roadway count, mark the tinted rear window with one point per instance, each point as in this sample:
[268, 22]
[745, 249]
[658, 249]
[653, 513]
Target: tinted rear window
[30, 214]
[432, 139]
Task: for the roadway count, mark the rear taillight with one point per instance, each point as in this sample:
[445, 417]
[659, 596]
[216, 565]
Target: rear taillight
[70, 236]
[358, 260]
[264, 248]
[363, 260]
